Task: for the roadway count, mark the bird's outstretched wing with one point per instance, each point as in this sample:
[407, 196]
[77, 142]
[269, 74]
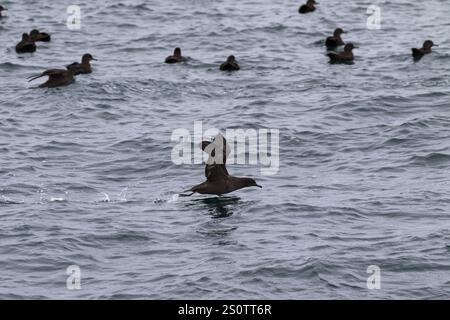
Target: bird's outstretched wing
[216, 172]
[218, 151]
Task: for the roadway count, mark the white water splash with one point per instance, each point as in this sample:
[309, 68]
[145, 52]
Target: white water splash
[123, 195]
[106, 198]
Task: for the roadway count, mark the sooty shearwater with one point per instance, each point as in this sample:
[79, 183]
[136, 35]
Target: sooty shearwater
[218, 181]
[176, 57]
[230, 64]
[308, 7]
[334, 41]
[82, 68]
[56, 78]
[26, 44]
[344, 56]
[426, 48]
[36, 35]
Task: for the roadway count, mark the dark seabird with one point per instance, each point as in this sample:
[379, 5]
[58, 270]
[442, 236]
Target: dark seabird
[230, 64]
[2, 9]
[176, 57]
[36, 35]
[308, 7]
[344, 56]
[218, 181]
[26, 45]
[56, 78]
[426, 48]
[336, 40]
[82, 68]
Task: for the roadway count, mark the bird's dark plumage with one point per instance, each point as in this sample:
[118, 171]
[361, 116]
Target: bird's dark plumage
[176, 57]
[344, 56]
[82, 68]
[308, 7]
[230, 64]
[334, 41]
[426, 48]
[218, 180]
[26, 45]
[36, 35]
[56, 78]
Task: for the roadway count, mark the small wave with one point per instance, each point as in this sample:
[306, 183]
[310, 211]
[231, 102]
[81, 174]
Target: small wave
[431, 159]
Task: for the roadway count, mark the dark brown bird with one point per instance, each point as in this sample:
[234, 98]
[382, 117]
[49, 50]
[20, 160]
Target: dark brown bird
[82, 68]
[2, 9]
[36, 35]
[308, 7]
[426, 48]
[176, 57]
[230, 64]
[56, 78]
[218, 181]
[344, 56]
[26, 45]
[333, 42]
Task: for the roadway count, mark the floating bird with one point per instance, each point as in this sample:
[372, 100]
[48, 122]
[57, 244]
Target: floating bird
[336, 40]
[176, 57]
[218, 181]
[344, 56]
[230, 64]
[426, 48]
[2, 9]
[36, 35]
[82, 68]
[56, 78]
[26, 45]
[308, 7]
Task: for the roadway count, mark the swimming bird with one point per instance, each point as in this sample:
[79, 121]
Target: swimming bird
[2, 9]
[308, 7]
[36, 35]
[218, 181]
[26, 44]
[82, 68]
[56, 78]
[176, 57]
[344, 56]
[332, 42]
[230, 64]
[426, 48]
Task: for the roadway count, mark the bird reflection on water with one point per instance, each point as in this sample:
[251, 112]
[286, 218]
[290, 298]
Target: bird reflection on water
[219, 207]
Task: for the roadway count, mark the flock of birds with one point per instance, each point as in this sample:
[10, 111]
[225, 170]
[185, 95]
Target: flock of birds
[218, 180]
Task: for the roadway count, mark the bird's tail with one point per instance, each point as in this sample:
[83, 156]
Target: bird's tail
[416, 53]
[31, 78]
[183, 193]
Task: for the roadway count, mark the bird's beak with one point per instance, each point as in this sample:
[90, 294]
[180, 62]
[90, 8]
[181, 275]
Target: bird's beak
[435, 45]
[94, 59]
[257, 185]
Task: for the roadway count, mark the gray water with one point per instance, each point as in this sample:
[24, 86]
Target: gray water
[86, 176]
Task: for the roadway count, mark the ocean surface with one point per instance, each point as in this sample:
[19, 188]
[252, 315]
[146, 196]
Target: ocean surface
[86, 176]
